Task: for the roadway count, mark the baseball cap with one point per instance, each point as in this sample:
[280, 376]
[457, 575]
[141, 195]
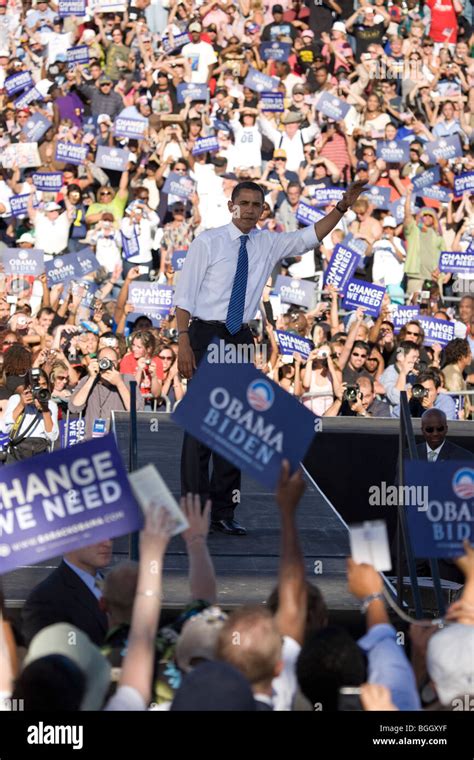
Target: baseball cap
[52, 206]
[307, 33]
[279, 153]
[291, 117]
[252, 27]
[339, 26]
[368, 10]
[362, 165]
[56, 639]
[298, 88]
[199, 636]
[449, 660]
[27, 237]
[104, 78]
[389, 221]
[104, 117]
[277, 8]
[214, 687]
[88, 34]
[195, 27]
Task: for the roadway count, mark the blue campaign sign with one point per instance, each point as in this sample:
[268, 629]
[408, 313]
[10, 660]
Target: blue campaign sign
[72, 433]
[397, 210]
[257, 81]
[177, 184]
[359, 245]
[205, 144]
[86, 262]
[292, 290]
[437, 330]
[332, 107]
[393, 151]
[192, 90]
[89, 292]
[403, 314]
[61, 269]
[444, 517]
[341, 267]
[427, 178]
[275, 51]
[290, 342]
[246, 418]
[178, 41]
[77, 55]
[18, 82]
[19, 261]
[463, 182]
[130, 245]
[307, 214]
[272, 101]
[71, 8]
[456, 262]
[134, 129]
[445, 147]
[114, 159]
[177, 260]
[366, 294]
[27, 98]
[48, 180]
[149, 298]
[71, 153]
[19, 204]
[64, 500]
[36, 126]
[324, 195]
[436, 193]
[378, 197]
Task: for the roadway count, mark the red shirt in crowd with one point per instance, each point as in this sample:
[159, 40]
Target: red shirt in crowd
[128, 366]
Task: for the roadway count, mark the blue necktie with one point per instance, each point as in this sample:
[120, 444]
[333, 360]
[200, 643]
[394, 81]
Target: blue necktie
[235, 312]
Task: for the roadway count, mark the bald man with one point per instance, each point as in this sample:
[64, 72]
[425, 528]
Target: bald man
[434, 427]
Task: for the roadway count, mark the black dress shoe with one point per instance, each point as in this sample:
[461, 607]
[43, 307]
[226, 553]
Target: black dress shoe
[231, 527]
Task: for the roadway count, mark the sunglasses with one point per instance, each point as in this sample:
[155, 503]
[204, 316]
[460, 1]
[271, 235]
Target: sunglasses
[415, 334]
[62, 377]
[361, 356]
[437, 429]
[169, 358]
[9, 342]
[105, 192]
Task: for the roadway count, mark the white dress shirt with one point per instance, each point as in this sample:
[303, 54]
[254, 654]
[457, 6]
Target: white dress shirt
[31, 413]
[207, 277]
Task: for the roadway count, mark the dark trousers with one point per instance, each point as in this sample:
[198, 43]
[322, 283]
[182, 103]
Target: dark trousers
[223, 486]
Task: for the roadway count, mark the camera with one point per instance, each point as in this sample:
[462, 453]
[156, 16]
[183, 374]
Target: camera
[39, 394]
[172, 333]
[105, 364]
[322, 353]
[352, 393]
[419, 391]
[420, 365]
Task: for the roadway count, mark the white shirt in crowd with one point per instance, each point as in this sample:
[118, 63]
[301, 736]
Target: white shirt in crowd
[201, 56]
[386, 267]
[145, 231]
[293, 146]
[7, 423]
[51, 235]
[248, 145]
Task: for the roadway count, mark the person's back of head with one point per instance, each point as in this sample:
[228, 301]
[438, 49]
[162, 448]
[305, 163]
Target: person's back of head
[316, 613]
[50, 684]
[119, 592]
[329, 660]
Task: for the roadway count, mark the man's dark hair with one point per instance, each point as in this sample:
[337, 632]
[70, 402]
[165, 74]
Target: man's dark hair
[71, 169]
[429, 375]
[50, 684]
[293, 185]
[361, 344]
[455, 350]
[45, 310]
[246, 185]
[316, 613]
[408, 345]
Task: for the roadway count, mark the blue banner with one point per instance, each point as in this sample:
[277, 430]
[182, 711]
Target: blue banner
[177, 184]
[290, 342]
[205, 144]
[48, 180]
[192, 90]
[178, 41]
[275, 51]
[272, 101]
[74, 433]
[58, 502]
[456, 262]
[130, 245]
[437, 330]
[444, 517]
[359, 245]
[78, 55]
[19, 204]
[325, 195]
[378, 197]
[366, 294]
[177, 260]
[62, 269]
[19, 261]
[397, 210]
[332, 107]
[114, 159]
[445, 147]
[436, 193]
[463, 182]
[86, 261]
[71, 8]
[149, 298]
[246, 418]
[294, 291]
[18, 82]
[71, 153]
[257, 81]
[403, 314]
[27, 98]
[307, 214]
[134, 129]
[36, 126]
[393, 151]
[341, 267]
[88, 293]
[427, 178]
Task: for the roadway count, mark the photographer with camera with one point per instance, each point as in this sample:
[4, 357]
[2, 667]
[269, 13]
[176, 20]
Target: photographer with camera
[358, 400]
[426, 394]
[103, 390]
[31, 418]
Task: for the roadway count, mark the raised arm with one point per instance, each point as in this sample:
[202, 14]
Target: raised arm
[202, 578]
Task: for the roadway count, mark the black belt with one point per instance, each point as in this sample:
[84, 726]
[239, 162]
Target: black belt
[216, 322]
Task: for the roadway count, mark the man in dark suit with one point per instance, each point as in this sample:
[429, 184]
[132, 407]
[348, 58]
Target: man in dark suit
[71, 594]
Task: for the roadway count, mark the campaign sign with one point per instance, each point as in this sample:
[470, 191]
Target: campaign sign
[427, 178]
[290, 342]
[86, 262]
[177, 184]
[22, 155]
[71, 153]
[19, 204]
[403, 314]
[130, 245]
[324, 195]
[78, 55]
[74, 432]
[114, 159]
[178, 41]
[359, 245]
[54, 503]
[18, 82]
[177, 260]
[134, 129]
[436, 193]
[437, 330]
[397, 210]
[61, 269]
[456, 262]
[378, 197]
[19, 261]
[341, 267]
[149, 298]
[36, 126]
[275, 51]
[192, 90]
[272, 101]
[246, 418]
[48, 180]
[463, 182]
[71, 8]
[366, 294]
[444, 515]
[393, 151]
[332, 107]
[292, 290]
[89, 290]
[257, 81]
[27, 98]
[445, 147]
[307, 214]
[205, 144]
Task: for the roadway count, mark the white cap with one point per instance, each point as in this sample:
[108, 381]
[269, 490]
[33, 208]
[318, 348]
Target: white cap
[88, 34]
[27, 237]
[389, 221]
[52, 206]
[104, 117]
[339, 26]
